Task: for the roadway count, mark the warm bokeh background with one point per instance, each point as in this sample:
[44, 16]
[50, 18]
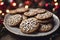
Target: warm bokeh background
[6, 5]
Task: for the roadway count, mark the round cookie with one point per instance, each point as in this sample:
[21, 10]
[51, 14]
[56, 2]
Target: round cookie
[45, 27]
[20, 10]
[14, 20]
[40, 11]
[12, 11]
[46, 20]
[33, 10]
[44, 16]
[30, 13]
[29, 25]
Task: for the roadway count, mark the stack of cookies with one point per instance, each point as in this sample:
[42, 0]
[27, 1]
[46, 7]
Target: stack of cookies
[45, 17]
[31, 20]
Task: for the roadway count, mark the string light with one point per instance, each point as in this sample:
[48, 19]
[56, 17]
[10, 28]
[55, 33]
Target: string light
[7, 10]
[21, 4]
[56, 3]
[0, 11]
[53, 9]
[1, 3]
[14, 4]
[26, 6]
[55, 0]
[3, 14]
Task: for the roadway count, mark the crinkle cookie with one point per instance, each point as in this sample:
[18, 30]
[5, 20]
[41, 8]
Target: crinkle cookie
[44, 16]
[29, 25]
[45, 27]
[40, 11]
[30, 13]
[14, 20]
[12, 11]
[46, 20]
[33, 10]
[20, 10]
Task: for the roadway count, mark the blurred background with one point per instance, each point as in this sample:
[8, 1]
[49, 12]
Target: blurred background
[6, 5]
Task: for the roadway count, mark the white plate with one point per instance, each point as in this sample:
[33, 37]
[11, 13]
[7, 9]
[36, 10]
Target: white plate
[18, 32]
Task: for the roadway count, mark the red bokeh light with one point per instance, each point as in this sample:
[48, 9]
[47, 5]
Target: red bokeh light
[1, 3]
[27, 2]
[36, 0]
[56, 7]
[40, 4]
[46, 4]
[1, 21]
[13, 4]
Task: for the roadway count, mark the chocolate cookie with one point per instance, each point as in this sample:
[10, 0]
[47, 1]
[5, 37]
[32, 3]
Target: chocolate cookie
[14, 20]
[29, 25]
[45, 27]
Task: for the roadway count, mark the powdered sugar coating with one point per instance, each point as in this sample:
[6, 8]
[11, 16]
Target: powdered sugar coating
[30, 13]
[14, 20]
[44, 16]
[21, 10]
[46, 27]
[29, 25]
[40, 10]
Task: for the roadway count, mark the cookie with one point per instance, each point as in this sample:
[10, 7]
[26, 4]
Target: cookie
[44, 16]
[20, 10]
[40, 11]
[30, 13]
[29, 25]
[14, 20]
[46, 20]
[45, 27]
[33, 10]
[12, 12]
